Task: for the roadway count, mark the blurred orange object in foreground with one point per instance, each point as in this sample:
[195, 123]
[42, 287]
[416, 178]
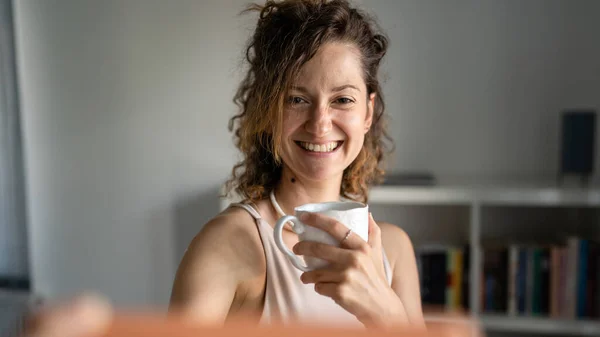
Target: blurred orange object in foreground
[153, 326]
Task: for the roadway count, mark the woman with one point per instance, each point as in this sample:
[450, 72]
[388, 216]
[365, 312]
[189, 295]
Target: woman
[311, 129]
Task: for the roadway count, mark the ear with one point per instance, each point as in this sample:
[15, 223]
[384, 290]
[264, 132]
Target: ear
[370, 109]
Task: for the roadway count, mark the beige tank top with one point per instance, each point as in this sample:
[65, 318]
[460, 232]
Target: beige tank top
[287, 299]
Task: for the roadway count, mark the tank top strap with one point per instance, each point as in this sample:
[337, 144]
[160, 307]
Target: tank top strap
[387, 268]
[248, 208]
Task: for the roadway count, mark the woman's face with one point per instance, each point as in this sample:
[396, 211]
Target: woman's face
[327, 114]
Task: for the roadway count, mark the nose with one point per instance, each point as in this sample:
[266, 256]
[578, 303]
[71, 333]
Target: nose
[319, 122]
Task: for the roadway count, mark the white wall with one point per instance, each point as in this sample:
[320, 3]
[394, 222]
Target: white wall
[125, 106]
[476, 86]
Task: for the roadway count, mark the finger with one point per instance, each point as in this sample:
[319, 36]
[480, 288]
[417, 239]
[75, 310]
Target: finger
[334, 228]
[87, 315]
[336, 291]
[323, 251]
[326, 276]
[374, 232]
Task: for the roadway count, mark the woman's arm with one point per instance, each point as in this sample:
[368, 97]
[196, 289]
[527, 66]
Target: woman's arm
[225, 254]
[405, 277]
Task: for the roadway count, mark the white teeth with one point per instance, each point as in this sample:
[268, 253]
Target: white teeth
[320, 147]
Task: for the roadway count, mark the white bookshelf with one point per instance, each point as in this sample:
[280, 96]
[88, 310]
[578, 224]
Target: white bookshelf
[543, 195]
[476, 198]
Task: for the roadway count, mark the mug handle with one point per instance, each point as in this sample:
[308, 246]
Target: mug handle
[297, 226]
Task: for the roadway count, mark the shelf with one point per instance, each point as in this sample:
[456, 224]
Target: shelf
[420, 195]
[486, 195]
[541, 196]
[542, 326]
[495, 194]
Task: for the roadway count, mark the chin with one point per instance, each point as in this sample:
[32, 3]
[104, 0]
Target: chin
[322, 175]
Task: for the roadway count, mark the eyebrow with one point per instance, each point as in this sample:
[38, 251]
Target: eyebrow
[336, 89]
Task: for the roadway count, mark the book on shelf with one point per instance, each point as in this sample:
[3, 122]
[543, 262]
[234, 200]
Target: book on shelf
[444, 276]
[495, 274]
[555, 280]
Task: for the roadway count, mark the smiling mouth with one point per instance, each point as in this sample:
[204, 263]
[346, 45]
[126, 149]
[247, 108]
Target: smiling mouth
[323, 148]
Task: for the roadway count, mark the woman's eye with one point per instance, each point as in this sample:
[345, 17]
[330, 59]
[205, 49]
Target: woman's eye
[295, 100]
[344, 100]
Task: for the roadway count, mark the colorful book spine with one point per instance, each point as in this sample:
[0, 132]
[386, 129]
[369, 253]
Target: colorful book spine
[513, 265]
[554, 281]
[537, 284]
[450, 270]
[562, 291]
[458, 275]
[571, 284]
[529, 281]
[544, 275]
[592, 280]
[521, 291]
[454, 284]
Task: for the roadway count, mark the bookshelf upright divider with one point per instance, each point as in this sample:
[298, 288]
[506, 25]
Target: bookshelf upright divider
[475, 269]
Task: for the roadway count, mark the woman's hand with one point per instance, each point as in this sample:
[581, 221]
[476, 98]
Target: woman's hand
[84, 316]
[355, 278]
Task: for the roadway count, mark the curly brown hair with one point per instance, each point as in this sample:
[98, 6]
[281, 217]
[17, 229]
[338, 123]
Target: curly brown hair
[287, 35]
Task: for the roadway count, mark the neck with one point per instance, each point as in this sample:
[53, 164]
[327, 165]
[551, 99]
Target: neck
[299, 192]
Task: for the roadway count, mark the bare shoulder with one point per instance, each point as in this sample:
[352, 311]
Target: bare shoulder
[393, 230]
[234, 221]
[225, 256]
[396, 242]
[232, 232]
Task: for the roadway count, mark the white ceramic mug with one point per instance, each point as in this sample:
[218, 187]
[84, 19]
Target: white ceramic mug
[353, 215]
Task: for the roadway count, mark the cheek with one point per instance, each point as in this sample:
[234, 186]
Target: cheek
[291, 123]
[353, 124]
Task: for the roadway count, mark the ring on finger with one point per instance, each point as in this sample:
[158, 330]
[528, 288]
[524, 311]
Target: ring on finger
[346, 237]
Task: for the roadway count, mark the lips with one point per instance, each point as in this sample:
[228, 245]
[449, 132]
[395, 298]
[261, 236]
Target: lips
[320, 147]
